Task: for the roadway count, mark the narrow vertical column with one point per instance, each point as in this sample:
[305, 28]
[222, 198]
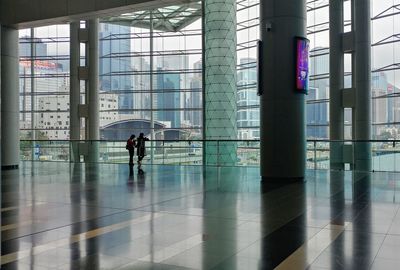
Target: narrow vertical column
[74, 94]
[1, 189]
[362, 150]
[10, 93]
[93, 95]
[220, 81]
[336, 69]
[33, 120]
[283, 137]
[152, 131]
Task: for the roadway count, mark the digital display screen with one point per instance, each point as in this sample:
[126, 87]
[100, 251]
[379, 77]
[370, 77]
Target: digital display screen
[302, 64]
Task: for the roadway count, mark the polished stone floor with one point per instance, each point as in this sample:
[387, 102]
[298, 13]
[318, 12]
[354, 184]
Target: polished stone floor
[72, 216]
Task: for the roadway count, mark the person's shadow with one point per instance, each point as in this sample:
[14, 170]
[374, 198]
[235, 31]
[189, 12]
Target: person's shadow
[141, 182]
[130, 183]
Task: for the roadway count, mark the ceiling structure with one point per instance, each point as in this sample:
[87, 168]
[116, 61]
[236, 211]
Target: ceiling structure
[169, 19]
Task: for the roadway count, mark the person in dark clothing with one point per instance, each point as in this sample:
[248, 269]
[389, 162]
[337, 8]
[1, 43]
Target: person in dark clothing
[130, 146]
[141, 150]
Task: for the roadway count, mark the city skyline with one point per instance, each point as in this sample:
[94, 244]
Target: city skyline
[129, 65]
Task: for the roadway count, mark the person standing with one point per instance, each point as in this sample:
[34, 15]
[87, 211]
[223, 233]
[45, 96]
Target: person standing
[130, 146]
[141, 150]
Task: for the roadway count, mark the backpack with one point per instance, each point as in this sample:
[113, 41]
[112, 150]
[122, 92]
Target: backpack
[127, 146]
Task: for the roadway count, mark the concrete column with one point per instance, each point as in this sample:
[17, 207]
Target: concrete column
[220, 80]
[336, 71]
[93, 94]
[10, 98]
[33, 86]
[93, 102]
[74, 94]
[362, 150]
[1, 191]
[282, 109]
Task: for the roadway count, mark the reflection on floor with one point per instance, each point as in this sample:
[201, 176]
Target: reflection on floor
[72, 216]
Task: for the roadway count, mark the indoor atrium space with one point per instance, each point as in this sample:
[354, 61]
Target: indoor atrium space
[187, 134]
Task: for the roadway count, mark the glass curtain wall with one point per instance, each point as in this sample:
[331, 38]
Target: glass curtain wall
[150, 70]
[44, 87]
[150, 76]
[248, 114]
[386, 69]
[44, 82]
[318, 98]
[147, 72]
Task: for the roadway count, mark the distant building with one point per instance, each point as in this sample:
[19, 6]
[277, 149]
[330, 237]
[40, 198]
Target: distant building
[248, 111]
[55, 125]
[169, 97]
[45, 84]
[379, 103]
[194, 100]
[115, 64]
[317, 110]
[385, 108]
[141, 88]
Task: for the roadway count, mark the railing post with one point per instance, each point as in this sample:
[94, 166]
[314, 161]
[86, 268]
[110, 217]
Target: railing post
[218, 155]
[394, 157]
[315, 155]
[163, 151]
[33, 149]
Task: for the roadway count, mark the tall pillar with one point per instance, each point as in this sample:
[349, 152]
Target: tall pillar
[282, 109]
[10, 98]
[1, 142]
[74, 81]
[93, 102]
[220, 80]
[362, 150]
[74, 94]
[336, 71]
[93, 95]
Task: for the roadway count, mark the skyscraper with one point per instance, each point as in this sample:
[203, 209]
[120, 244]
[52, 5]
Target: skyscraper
[248, 113]
[169, 97]
[317, 98]
[116, 64]
[194, 99]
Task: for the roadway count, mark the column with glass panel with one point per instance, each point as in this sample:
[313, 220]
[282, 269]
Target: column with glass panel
[89, 73]
[93, 99]
[356, 94]
[220, 79]
[362, 83]
[336, 74]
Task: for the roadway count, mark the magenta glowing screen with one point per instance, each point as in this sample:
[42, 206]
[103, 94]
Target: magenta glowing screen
[302, 64]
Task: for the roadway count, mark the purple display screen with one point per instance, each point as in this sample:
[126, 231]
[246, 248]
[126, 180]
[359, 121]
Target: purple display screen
[302, 64]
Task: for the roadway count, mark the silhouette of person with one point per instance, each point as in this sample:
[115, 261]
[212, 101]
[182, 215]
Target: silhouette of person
[141, 150]
[130, 146]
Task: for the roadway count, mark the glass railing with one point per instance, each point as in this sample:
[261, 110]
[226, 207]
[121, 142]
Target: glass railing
[385, 153]
[168, 152]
